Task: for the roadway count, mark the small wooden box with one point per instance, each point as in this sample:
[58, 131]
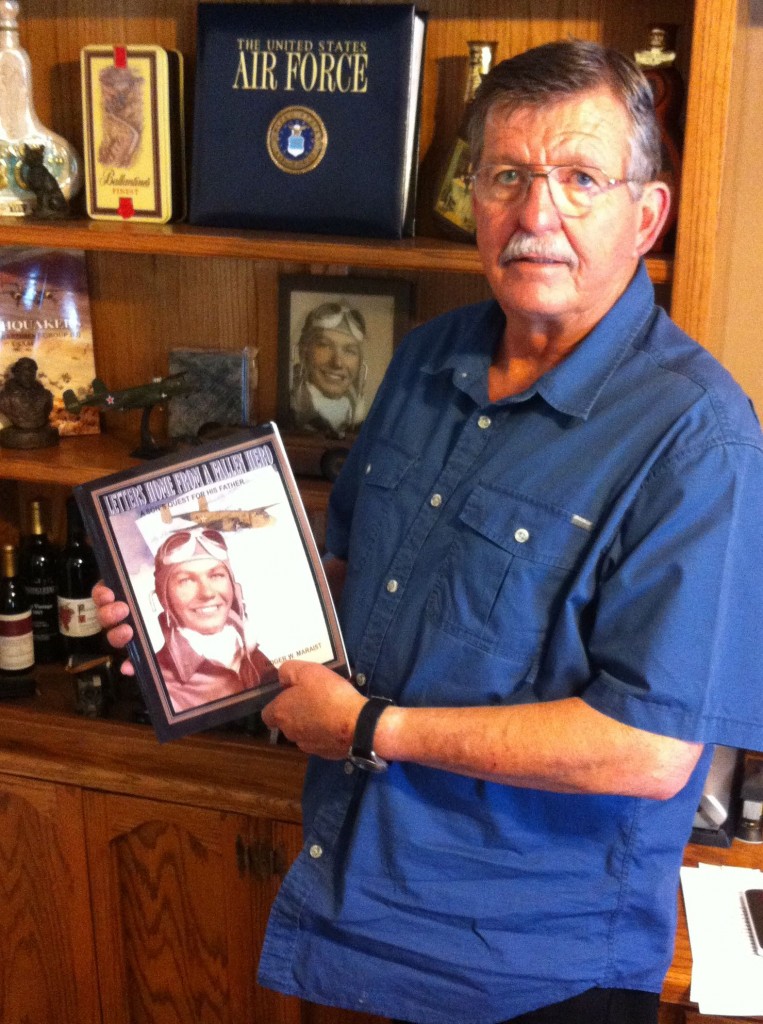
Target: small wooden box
[133, 122]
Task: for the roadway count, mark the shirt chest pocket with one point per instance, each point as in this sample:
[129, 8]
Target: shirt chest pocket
[378, 518]
[508, 570]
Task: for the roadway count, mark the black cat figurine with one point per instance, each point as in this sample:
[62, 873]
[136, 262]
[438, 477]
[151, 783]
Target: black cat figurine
[51, 201]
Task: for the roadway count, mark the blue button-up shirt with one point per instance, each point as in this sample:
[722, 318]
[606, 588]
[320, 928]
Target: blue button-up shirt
[598, 535]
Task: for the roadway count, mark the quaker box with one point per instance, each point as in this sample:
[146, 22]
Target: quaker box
[133, 124]
[45, 316]
[213, 554]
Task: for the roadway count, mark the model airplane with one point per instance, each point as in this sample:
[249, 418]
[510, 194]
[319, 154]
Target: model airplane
[227, 521]
[140, 397]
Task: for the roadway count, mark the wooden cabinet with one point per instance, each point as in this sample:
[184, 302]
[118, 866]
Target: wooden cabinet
[136, 879]
[47, 951]
[180, 903]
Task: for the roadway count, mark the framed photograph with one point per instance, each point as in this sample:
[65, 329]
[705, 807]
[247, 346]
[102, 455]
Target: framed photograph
[214, 556]
[453, 201]
[336, 338]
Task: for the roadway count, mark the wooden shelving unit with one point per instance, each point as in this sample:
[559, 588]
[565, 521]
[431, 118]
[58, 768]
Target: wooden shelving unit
[78, 799]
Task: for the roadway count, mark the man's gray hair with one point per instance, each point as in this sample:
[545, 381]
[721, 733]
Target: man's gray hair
[556, 71]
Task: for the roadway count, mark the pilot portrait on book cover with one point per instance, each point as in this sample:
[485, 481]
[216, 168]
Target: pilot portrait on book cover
[207, 654]
[339, 344]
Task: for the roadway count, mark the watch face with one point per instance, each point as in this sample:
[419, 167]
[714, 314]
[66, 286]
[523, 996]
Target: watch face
[372, 763]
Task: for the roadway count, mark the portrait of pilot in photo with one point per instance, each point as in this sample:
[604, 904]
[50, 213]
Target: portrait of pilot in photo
[206, 654]
[330, 374]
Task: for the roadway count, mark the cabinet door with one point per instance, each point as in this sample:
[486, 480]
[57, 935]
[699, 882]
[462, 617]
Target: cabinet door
[47, 964]
[171, 892]
[274, 845]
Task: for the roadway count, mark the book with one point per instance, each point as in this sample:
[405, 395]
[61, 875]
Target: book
[220, 395]
[134, 152]
[45, 316]
[213, 554]
[306, 117]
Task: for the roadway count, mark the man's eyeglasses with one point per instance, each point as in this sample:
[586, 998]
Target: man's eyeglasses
[573, 188]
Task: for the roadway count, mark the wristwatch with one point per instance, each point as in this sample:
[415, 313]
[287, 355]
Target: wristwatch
[361, 753]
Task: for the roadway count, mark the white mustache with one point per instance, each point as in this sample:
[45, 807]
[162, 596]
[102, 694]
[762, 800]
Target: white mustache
[522, 245]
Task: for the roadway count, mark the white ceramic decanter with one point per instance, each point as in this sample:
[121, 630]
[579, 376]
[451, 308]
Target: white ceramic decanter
[20, 128]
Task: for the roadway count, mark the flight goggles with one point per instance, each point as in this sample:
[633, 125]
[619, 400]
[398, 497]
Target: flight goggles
[183, 545]
[333, 316]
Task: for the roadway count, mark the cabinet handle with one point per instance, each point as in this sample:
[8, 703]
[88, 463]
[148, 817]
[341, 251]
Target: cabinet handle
[266, 861]
[243, 857]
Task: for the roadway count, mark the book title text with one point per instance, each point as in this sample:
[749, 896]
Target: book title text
[328, 65]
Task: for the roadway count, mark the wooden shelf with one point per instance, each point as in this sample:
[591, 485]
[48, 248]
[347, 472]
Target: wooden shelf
[411, 254]
[41, 737]
[73, 461]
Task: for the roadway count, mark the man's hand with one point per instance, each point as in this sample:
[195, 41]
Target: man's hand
[317, 710]
[111, 614]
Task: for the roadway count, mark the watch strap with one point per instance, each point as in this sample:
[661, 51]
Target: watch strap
[361, 753]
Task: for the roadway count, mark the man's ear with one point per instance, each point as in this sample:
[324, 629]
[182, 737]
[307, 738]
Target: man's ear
[654, 206]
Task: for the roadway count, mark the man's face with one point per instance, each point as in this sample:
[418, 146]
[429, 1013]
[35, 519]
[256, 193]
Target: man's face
[200, 594]
[577, 267]
[332, 360]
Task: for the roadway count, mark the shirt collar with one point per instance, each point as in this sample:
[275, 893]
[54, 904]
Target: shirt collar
[572, 386]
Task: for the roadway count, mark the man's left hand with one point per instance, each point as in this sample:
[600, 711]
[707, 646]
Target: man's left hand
[317, 709]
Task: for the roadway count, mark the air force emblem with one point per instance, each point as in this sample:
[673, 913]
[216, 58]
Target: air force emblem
[297, 140]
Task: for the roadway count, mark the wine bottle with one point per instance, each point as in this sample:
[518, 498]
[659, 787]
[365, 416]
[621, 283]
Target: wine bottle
[16, 643]
[453, 202]
[77, 575]
[37, 569]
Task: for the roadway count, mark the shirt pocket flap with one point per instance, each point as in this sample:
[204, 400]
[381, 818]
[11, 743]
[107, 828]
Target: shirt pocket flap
[387, 465]
[527, 527]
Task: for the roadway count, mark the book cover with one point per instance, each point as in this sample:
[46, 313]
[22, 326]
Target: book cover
[45, 316]
[134, 133]
[213, 554]
[220, 395]
[306, 117]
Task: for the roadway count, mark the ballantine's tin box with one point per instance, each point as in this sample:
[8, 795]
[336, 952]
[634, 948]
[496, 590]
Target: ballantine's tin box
[134, 133]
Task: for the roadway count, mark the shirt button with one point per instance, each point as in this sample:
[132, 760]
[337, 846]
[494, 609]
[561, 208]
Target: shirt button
[360, 679]
[521, 535]
[368, 468]
[316, 851]
[391, 586]
[436, 500]
[483, 422]
[348, 768]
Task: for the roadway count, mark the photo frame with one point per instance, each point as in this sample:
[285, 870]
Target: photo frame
[336, 338]
[214, 556]
[453, 201]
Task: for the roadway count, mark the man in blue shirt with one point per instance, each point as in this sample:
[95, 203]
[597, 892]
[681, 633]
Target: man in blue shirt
[548, 549]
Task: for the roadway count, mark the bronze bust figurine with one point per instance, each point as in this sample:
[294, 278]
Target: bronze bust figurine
[27, 404]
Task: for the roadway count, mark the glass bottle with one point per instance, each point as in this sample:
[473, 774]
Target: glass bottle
[77, 575]
[452, 203]
[658, 62]
[37, 568]
[16, 642]
[20, 126]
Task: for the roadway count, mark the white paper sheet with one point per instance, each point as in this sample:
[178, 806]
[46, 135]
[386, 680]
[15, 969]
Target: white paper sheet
[727, 974]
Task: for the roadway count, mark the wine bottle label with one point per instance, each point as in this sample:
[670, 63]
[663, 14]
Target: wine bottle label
[42, 599]
[77, 616]
[16, 642]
